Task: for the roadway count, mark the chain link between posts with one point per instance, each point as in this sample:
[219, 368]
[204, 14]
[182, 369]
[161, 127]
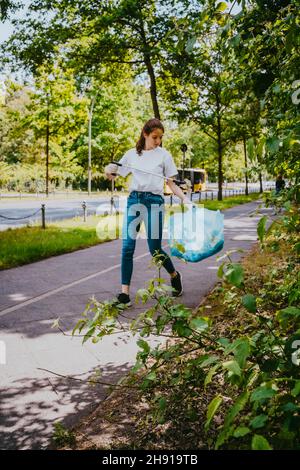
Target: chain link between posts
[20, 218]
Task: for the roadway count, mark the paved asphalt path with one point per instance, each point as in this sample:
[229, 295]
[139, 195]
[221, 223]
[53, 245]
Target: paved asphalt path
[32, 296]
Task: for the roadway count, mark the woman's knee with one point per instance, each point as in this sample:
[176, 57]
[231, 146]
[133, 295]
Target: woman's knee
[159, 253]
[128, 250]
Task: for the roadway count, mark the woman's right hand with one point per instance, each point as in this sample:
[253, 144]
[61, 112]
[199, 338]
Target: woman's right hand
[109, 170]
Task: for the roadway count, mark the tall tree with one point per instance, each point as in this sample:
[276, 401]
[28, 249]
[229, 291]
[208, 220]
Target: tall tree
[203, 86]
[18, 144]
[266, 44]
[132, 32]
[58, 115]
[120, 105]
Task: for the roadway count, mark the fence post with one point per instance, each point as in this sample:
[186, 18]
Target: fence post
[199, 196]
[84, 211]
[206, 195]
[171, 200]
[212, 195]
[43, 216]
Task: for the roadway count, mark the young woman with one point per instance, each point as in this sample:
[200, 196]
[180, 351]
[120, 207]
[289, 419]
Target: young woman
[146, 202]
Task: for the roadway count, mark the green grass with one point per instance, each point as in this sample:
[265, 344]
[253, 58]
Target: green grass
[229, 202]
[28, 244]
[221, 205]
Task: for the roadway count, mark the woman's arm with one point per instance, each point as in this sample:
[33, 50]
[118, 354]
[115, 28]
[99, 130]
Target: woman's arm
[178, 192]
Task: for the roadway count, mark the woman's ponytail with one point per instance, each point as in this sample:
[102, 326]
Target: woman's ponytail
[147, 129]
[140, 145]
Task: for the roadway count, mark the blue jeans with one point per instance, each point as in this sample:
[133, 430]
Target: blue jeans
[147, 207]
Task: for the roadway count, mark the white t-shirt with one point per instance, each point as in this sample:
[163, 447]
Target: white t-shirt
[157, 160]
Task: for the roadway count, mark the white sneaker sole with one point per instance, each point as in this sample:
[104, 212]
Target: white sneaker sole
[129, 304]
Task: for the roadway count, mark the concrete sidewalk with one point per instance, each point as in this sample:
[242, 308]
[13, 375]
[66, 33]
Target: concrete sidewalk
[32, 296]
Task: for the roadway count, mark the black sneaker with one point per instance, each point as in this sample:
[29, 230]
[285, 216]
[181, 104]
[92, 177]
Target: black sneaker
[124, 299]
[176, 283]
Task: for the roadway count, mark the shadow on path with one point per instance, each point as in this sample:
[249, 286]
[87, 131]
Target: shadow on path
[30, 406]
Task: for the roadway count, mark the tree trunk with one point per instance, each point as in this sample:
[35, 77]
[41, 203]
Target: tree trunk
[47, 149]
[246, 167]
[260, 183]
[90, 153]
[153, 89]
[220, 168]
[148, 63]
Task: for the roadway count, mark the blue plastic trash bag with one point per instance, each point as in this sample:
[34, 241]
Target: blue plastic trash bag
[196, 234]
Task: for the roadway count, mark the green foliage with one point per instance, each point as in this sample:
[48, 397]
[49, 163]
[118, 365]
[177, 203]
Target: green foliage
[261, 228]
[234, 274]
[249, 302]
[23, 133]
[212, 409]
[221, 75]
[62, 436]
[252, 376]
[241, 363]
[6, 6]
[260, 443]
[274, 41]
[119, 109]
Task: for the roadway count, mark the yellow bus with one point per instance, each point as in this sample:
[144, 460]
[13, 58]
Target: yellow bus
[197, 178]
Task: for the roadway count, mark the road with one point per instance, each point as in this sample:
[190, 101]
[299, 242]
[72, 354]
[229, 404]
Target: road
[66, 209]
[55, 210]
